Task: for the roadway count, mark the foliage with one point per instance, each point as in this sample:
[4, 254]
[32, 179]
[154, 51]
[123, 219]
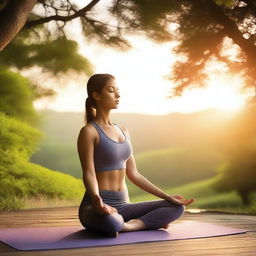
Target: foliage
[18, 177]
[16, 97]
[21, 178]
[228, 3]
[202, 29]
[54, 56]
[3, 4]
[92, 27]
[18, 140]
[238, 173]
[17, 136]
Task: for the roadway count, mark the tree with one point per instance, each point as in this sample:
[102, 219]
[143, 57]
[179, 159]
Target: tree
[48, 55]
[202, 28]
[58, 11]
[239, 144]
[16, 97]
[18, 93]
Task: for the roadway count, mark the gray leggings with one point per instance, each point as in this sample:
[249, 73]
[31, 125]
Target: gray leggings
[155, 213]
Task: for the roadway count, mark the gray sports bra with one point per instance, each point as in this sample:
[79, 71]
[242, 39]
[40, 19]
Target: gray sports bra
[110, 154]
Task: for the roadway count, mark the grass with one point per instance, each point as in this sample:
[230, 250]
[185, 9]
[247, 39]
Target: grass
[206, 198]
[44, 202]
[23, 183]
[28, 185]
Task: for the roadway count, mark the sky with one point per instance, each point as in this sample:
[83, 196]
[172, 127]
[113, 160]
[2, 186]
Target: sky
[141, 77]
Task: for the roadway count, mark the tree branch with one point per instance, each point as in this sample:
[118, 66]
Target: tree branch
[13, 18]
[233, 32]
[251, 5]
[77, 14]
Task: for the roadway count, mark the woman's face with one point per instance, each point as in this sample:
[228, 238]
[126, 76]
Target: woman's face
[109, 96]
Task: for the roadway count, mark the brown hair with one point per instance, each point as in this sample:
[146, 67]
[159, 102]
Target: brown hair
[95, 84]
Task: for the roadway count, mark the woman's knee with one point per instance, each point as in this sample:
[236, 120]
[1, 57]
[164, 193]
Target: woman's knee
[106, 223]
[180, 209]
[113, 222]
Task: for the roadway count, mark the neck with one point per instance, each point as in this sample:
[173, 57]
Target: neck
[102, 117]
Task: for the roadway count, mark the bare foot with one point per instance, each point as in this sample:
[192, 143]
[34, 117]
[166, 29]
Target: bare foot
[132, 225]
[112, 234]
[166, 226]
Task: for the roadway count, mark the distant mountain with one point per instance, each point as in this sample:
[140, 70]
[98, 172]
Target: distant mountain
[148, 132]
[153, 138]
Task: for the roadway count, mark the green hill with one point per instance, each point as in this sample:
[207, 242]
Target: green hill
[206, 197]
[21, 180]
[170, 167]
[148, 132]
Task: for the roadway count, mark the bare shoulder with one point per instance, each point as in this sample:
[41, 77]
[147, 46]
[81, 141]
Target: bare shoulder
[87, 131]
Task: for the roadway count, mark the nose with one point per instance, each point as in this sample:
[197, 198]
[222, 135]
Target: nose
[117, 95]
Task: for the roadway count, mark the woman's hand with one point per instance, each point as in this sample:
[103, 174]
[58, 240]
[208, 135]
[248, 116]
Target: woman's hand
[178, 199]
[100, 207]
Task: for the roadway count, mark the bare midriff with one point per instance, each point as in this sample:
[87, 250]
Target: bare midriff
[111, 180]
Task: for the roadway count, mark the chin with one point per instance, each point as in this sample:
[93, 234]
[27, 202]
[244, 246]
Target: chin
[115, 106]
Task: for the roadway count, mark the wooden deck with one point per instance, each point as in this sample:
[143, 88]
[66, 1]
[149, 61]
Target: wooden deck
[243, 244]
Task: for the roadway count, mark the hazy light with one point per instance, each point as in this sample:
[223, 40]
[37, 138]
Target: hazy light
[140, 75]
[195, 210]
[222, 92]
[225, 94]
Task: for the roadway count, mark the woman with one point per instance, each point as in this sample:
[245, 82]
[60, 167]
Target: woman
[106, 158]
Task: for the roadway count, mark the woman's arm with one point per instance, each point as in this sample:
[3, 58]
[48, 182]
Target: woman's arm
[85, 147]
[143, 183]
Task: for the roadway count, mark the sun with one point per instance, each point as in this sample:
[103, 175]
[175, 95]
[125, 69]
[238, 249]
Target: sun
[224, 94]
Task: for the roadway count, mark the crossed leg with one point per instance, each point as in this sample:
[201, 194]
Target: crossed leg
[152, 214]
[133, 216]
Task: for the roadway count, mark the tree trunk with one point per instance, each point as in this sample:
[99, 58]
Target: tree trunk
[245, 197]
[13, 18]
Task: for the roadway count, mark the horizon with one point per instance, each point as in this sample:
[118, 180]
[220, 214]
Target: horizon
[146, 114]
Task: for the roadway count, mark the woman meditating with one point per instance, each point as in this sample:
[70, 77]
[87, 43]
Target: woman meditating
[106, 157]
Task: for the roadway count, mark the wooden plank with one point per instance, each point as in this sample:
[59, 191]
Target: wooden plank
[244, 244]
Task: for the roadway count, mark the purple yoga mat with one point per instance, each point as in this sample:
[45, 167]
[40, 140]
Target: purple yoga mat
[45, 238]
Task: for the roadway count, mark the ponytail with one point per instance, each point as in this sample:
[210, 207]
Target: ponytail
[89, 108]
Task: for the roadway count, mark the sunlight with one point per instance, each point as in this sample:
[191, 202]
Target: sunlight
[225, 94]
[221, 93]
[195, 210]
[140, 75]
